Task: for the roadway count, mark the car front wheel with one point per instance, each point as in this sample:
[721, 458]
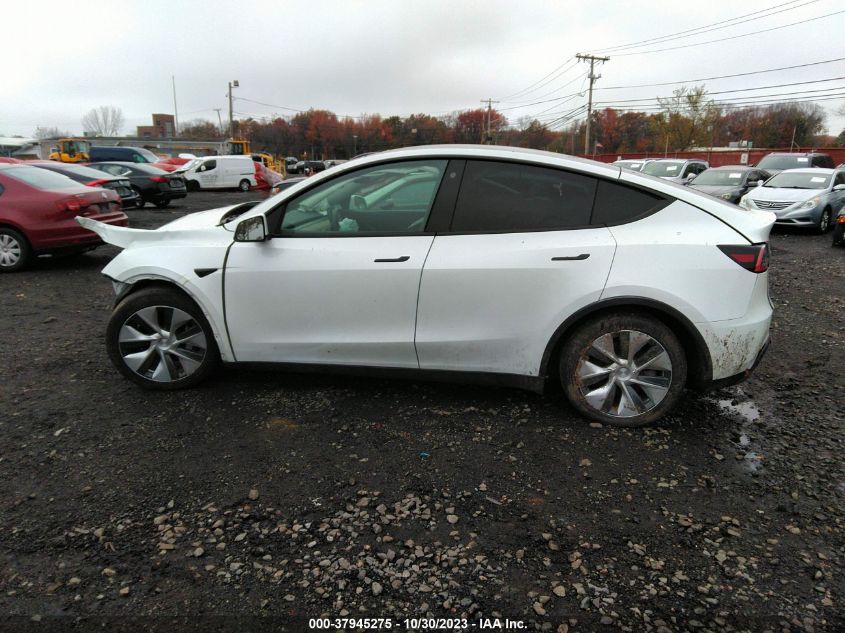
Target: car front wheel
[825, 220]
[623, 369]
[159, 338]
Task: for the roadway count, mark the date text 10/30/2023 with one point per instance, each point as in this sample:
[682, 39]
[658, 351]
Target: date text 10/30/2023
[416, 624]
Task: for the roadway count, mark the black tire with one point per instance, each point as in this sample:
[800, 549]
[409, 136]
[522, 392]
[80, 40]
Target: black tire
[161, 204]
[141, 202]
[244, 185]
[825, 221]
[182, 359]
[15, 251]
[192, 185]
[606, 384]
[838, 234]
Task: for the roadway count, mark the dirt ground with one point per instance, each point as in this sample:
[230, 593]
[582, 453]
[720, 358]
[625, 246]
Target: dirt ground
[259, 500]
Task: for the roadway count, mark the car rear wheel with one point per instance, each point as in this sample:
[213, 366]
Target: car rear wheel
[825, 220]
[161, 204]
[839, 234]
[244, 185]
[141, 201]
[623, 369]
[160, 339]
[15, 251]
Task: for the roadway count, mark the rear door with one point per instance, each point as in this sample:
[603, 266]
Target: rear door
[519, 257]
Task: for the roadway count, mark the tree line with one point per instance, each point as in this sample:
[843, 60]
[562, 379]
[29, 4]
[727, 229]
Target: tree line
[686, 120]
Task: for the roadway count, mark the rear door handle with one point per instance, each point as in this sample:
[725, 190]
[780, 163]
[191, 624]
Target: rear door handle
[570, 259]
[404, 258]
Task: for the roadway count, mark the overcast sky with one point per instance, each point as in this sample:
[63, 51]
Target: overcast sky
[390, 57]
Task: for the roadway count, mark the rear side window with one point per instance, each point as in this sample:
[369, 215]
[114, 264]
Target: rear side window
[617, 204]
[498, 196]
[40, 178]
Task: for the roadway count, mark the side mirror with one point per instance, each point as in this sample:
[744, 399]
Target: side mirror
[839, 188]
[251, 230]
[759, 183]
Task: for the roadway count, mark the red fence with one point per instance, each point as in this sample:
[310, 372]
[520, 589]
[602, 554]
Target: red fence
[720, 157]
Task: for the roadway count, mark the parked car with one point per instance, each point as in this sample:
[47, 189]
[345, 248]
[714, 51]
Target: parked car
[314, 166]
[730, 182]
[152, 184]
[633, 165]
[37, 211]
[120, 153]
[505, 265]
[334, 161]
[286, 183]
[801, 197]
[290, 164]
[839, 229]
[675, 169]
[93, 178]
[220, 172]
[777, 162]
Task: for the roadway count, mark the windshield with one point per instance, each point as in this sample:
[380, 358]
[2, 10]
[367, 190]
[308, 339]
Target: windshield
[799, 180]
[660, 168]
[148, 155]
[783, 161]
[719, 177]
[41, 178]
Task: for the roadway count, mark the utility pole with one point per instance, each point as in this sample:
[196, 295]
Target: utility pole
[232, 84]
[219, 120]
[592, 77]
[488, 138]
[175, 109]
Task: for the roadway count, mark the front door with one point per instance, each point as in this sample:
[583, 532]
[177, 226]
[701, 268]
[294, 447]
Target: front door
[337, 283]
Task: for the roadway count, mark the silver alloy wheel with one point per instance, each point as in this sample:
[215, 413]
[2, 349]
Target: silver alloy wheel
[10, 251]
[624, 374]
[824, 222]
[162, 343]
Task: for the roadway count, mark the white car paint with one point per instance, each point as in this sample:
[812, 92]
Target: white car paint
[482, 302]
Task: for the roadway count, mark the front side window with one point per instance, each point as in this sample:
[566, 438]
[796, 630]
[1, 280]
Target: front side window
[208, 165]
[393, 198]
[498, 196]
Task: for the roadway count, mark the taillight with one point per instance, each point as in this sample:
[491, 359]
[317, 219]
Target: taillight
[158, 178]
[73, 205]
[754, 257]
[840, 219]
[97, 183]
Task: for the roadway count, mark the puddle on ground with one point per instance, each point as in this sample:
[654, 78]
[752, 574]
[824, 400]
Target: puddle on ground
[746, 412]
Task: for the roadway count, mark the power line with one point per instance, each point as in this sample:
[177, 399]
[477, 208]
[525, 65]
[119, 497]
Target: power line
[709, 27]
[755, 72]
[551, 92]
[571, 60]
[729, 104]
[733, 37]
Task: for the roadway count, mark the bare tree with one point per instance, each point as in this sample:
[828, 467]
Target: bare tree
[50, 132]
[103, 121]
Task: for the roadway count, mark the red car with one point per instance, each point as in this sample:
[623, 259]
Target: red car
[37, 211]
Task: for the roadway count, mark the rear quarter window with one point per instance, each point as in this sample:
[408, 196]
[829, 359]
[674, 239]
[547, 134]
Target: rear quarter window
[618, 204]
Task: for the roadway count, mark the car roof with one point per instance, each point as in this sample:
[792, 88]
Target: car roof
[736, 167]
[795, 154]
[815, 171]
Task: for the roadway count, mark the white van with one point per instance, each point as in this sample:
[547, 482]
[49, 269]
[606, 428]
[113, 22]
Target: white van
[220, 172]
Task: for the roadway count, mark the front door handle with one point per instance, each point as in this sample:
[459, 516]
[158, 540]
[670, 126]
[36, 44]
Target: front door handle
[404, 258]
[573, 258]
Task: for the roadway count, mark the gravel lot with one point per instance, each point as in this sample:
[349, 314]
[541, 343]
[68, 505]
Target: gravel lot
[260, 498]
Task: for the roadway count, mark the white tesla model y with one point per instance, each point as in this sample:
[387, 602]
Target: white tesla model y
[474, 263]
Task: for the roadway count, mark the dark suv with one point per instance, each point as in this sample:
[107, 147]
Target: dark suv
[777, 162]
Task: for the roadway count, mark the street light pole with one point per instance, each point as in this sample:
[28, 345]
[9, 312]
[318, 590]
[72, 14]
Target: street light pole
[232, 84]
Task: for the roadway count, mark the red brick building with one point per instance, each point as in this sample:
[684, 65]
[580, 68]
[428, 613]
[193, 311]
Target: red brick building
[164, 126]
